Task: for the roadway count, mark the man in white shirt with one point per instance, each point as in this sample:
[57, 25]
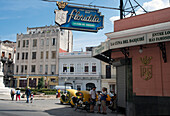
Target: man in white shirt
[92, 99]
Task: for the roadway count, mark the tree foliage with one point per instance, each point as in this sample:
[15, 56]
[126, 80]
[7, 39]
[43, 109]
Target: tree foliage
[41, 83]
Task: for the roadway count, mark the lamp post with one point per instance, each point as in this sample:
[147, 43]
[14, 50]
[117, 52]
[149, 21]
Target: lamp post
[27, 80]
[45, 80]
[65, 84]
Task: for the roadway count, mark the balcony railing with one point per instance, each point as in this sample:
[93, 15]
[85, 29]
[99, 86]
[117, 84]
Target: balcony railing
[78, 73]
[107, 77]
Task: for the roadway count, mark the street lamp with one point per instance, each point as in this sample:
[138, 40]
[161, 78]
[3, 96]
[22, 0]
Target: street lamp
[27, 80]
[65, 84]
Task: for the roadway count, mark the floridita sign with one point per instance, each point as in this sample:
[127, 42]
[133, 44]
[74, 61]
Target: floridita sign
[78, 18]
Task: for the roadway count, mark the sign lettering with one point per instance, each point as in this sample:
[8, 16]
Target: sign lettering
[79, 18]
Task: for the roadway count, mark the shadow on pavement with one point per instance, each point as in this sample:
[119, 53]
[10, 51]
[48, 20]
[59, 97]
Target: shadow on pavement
[70, 112]
[20, 110]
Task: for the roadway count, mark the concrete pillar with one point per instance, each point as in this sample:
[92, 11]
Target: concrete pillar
[36, 81]
[27, 82]
[17, 82]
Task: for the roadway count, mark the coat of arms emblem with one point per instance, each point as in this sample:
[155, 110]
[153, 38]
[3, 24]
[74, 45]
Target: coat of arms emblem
[61, 16]
[146, 69]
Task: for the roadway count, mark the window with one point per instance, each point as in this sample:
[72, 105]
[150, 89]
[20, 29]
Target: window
[27, 43]
[25, 68]
[53, 68]
[26, 55]
[41, 69]
[71, 67]
[78, 67]
[41, 55]
[53, 41]
[42, 42]
[34, 43]
[86, 67]
[23, 43]
[47, 42]
[18, 44]
[53, 80]
[64, 67]
[46, 69]
[17, 56]
[46, 54]
[17, 69]
[108, 71]
[53, 53]
[22, 68]
[93, 67]
[22, 55]
[79, 87]
[33, 55]
[32, 68]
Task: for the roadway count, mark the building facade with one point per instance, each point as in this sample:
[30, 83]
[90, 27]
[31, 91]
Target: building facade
[79, 70]
[37, 55]
[108, 77]
[139, 48]
[7, 60]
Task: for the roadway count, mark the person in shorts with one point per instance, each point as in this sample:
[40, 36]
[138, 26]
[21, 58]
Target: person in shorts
[98, 101]
[92, 99]
[32, 96]
[103, 99]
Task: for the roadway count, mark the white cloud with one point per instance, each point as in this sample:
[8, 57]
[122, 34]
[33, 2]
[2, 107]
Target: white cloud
[148, 6]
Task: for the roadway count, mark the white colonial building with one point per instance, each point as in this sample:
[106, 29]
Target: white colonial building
[7, 55]
[37, 55]
[79, 70]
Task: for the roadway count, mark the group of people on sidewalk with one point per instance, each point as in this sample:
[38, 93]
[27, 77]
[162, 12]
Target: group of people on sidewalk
[28, 94]
[101, 100]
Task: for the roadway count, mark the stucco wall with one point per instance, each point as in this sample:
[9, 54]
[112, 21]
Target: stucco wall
[159, 84]
[146, 19]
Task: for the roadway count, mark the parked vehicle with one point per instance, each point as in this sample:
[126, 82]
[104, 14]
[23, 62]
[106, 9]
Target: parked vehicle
[81, 101]
[66, 96]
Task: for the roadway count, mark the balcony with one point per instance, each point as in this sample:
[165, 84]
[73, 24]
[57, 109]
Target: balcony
[78, 73]
[104, 77]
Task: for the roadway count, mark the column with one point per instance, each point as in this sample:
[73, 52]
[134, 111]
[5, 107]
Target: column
[28, 82]
[37, 82]
[17, 82]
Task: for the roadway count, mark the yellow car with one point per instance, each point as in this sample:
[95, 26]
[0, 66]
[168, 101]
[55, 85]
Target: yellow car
[85, 96]
[66, 97]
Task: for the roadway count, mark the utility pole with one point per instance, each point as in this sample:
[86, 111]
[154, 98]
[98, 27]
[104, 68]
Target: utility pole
[121, 9]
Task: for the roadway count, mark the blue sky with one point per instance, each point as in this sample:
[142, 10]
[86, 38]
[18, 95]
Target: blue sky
[17, 15]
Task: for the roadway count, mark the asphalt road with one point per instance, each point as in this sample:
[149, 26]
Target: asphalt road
[42, 108]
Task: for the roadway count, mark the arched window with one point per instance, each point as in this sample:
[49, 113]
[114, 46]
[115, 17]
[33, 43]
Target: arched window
[89, 86]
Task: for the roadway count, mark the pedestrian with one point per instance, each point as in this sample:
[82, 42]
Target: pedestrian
[92, 99]
[99, 101]
[12, 94]
[27, 93]
[17, 94]
[103, 99]
[32, 96]
[57, 94]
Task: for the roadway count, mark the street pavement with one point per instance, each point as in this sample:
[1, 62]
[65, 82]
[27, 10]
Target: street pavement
[46, 107]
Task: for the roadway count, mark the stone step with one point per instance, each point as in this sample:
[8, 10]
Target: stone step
[5, 91]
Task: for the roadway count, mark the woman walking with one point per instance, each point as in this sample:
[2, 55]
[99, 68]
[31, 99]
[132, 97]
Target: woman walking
[103, 99]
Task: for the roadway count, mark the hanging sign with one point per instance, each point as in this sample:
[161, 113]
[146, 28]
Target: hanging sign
[78, 18]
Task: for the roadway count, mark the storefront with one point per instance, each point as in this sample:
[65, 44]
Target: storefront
[139, 48]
